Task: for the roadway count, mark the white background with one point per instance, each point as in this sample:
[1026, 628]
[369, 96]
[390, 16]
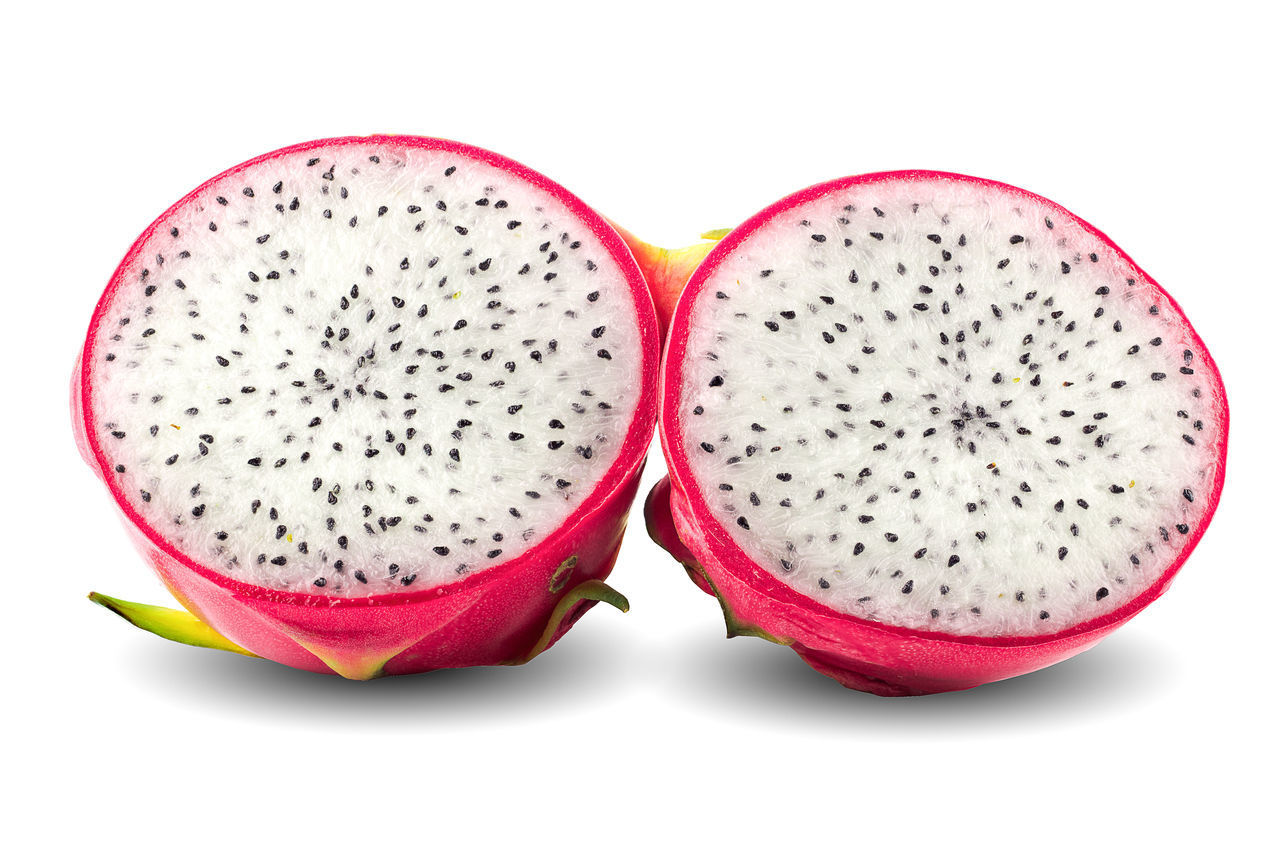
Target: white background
[645, 731]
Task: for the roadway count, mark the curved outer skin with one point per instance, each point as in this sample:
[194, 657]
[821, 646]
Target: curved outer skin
[491, 617]
[861, 654]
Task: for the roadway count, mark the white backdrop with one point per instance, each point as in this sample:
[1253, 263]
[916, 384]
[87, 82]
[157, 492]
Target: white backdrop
[647, 730]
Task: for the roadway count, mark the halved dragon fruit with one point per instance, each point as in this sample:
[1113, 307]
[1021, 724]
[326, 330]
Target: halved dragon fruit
[373, 406]
[932, 431]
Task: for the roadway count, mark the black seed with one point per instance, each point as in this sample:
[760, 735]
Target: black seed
[742, 521]
[1062, 552]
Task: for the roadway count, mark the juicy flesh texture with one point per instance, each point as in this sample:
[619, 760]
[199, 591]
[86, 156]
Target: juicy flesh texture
[364, 368]
[945, 405]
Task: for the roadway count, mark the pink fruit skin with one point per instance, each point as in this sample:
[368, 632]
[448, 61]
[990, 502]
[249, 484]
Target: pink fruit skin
[862, 654]
[492, 617]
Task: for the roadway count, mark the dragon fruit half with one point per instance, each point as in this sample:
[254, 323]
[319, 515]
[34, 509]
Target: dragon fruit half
[931, 431]
[373, 406]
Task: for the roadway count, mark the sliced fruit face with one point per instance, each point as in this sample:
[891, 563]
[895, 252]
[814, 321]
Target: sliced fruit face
[367, 365]
[943, 404]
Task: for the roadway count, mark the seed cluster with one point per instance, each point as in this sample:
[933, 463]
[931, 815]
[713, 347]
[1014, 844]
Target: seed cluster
[356, 370]
[945, 406]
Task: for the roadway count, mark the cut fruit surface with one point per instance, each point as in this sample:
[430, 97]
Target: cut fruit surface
[369, 367]
[942, 405]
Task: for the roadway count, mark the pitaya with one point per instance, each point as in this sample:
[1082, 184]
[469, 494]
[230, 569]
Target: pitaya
[373, 406]
[932, 431]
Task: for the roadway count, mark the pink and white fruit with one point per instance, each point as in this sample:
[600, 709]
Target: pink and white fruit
[932, 431]
[373, 406]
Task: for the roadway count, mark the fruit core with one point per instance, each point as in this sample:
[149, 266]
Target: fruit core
[945, 404]
[363, 367]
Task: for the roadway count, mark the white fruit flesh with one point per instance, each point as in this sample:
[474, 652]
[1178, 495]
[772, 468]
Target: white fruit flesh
[942, 405]
[364, 368]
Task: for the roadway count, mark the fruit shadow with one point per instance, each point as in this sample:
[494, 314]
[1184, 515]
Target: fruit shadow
[567, 677]
[769, 683]
[744, 680]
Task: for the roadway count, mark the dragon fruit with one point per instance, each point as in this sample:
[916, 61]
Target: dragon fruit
[373, 406]
[932, 431]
